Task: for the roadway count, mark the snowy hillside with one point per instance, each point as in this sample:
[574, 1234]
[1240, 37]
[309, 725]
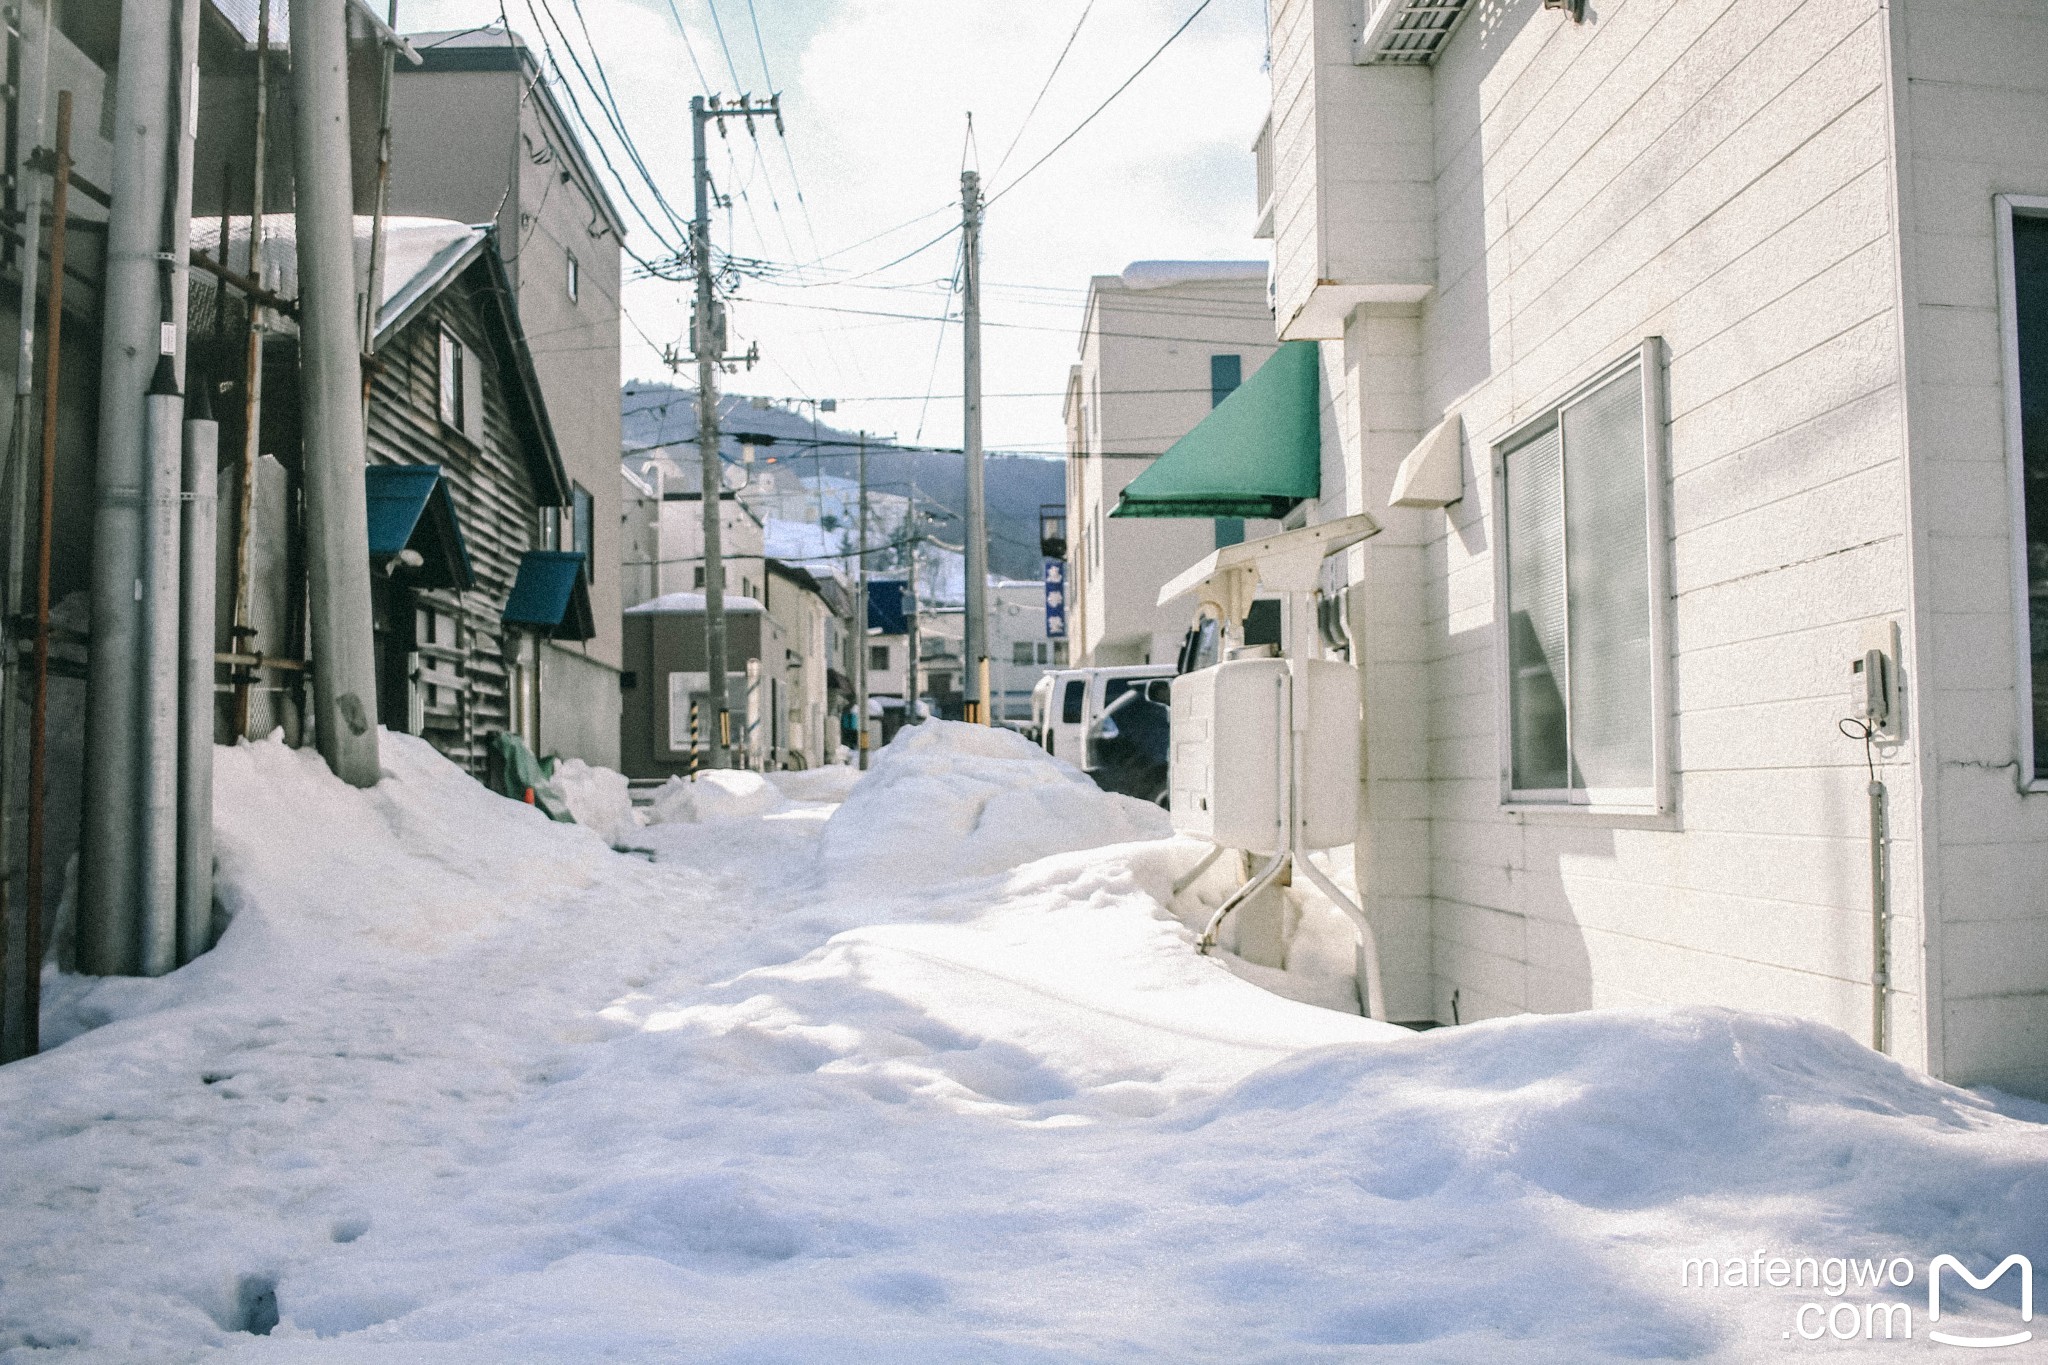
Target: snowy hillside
[930, 1075]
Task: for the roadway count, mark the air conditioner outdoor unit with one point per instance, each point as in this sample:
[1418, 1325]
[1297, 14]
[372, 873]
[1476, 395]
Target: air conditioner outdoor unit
[1233, 756]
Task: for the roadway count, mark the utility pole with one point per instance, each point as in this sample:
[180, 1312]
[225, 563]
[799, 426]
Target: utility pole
[331, 388]
[707, 337]
[975, 651]
[860, 610]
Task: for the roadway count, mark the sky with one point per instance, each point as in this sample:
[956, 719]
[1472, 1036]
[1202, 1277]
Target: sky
[876, 96]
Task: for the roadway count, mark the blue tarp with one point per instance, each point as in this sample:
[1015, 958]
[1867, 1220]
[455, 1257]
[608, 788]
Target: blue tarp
[885, 607]
[410, 509]
[550, 594]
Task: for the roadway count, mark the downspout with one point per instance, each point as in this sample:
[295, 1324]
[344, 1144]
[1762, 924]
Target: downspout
[32, 72]
[132, 328]
[201, 527]
[331, 378]
[242, 635]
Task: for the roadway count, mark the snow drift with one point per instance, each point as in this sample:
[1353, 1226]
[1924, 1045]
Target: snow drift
[932, 1077]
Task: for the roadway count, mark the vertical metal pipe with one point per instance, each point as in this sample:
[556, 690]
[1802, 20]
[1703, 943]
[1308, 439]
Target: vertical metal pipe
[46, 502]
[200, 548]
[157, 835]
[32, 61]
[375, 292]
[331, 379]
[1880, 915]
[974, 671]
[131, 327]
[252, 377]
[163, 489]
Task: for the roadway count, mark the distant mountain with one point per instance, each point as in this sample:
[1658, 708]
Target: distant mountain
[656, 415]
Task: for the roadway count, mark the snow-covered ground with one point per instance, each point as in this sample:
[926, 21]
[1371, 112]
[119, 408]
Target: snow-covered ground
[931, 1075]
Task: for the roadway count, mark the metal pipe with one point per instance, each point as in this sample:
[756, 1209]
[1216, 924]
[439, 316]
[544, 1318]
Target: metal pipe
[1238, 897]
[46, 502]
[131, 338]
[331, 378]
[30, 69]
[200, 550]
[1880, 914]
[375, 292]
[157, 836]
[240, 632]
[1193, 874]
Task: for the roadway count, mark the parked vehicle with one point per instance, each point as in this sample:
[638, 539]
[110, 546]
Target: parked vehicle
[1112, 723]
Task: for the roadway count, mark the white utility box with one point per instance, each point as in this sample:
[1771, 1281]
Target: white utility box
[1233, 754]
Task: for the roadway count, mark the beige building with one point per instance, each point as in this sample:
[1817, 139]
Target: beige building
[1161, 344]
[1688, 354]
[478, 137]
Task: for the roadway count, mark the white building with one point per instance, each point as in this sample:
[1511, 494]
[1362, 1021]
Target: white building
[1684, 352]
[1161, 344]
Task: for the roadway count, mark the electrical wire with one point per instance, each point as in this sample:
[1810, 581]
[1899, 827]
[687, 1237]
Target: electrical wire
[996, 174]
[1142, 67]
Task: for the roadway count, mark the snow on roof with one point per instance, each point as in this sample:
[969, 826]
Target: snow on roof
[419, 255]
[1167, 274]
[689, 601]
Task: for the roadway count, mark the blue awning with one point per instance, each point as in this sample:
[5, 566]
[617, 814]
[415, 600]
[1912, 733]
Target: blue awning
[410, 509]
[552, 595]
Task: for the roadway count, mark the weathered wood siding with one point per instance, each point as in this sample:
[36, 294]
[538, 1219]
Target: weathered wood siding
[494, 496]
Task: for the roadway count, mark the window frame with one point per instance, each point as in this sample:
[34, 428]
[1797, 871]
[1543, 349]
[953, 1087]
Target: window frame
[1647, 359]
[2006, 207]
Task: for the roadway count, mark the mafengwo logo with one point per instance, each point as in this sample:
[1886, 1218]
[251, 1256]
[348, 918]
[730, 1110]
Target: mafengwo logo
[1850, 1317]
[1934, 1269]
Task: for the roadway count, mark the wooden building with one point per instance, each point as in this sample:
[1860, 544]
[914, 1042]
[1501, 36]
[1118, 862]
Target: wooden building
[478, 552]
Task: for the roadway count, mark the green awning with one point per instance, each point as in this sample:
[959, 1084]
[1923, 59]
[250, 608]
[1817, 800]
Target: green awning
[1256, 454]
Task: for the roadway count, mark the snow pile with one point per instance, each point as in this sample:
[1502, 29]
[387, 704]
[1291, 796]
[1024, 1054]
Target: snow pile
[714, 794]
[832, 782]
[599, 798]
[463, 1085]
[948, 800]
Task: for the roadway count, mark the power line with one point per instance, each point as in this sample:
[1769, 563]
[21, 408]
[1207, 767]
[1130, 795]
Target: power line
[1057, 63]
[1026, 172]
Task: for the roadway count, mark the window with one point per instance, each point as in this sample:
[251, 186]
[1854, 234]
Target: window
[1226, 372]
[451, 380]
[2023, 268]
[1059, 651]
[1072, 703]
[461, 391]
[581, 524]
[698, 582]
[1022, 654]
[1582, 588]
[878, 658]
[1043, 653]
[574, 278]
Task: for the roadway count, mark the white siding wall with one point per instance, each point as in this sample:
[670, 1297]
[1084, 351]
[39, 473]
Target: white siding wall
[1974, 124]
[1714, 172]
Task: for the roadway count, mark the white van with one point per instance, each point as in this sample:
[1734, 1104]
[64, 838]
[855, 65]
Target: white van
[1066, 703]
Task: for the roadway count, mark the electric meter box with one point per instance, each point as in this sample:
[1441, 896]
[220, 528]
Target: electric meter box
[1233, 750]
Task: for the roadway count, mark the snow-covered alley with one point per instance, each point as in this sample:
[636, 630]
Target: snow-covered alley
[934, 1074]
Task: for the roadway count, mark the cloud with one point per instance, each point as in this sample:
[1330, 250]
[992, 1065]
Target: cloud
[876, 94]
